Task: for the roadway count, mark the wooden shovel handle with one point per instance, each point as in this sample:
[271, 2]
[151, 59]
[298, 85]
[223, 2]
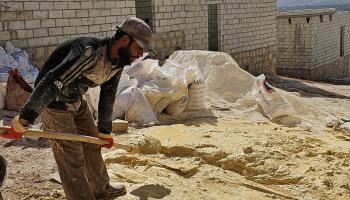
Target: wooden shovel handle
[69, 136]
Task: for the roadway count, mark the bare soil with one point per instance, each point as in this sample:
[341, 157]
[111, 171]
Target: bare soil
[218, 154]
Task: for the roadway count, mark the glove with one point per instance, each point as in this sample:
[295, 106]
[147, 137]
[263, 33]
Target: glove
[16, 131]
[108, 138]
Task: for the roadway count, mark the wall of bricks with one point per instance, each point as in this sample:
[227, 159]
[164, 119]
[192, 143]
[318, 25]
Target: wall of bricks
[38, 26]
[326, 38]
[244, 27]
[309, 44]
[188, 16]
[294, 43]
[333, 69]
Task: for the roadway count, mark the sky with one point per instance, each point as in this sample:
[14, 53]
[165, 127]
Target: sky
[284, 3]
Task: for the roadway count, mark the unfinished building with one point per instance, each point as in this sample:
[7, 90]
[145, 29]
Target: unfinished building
[313, 44]
[244, 29]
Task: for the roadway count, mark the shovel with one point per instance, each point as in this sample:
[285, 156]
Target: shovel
[66, 136]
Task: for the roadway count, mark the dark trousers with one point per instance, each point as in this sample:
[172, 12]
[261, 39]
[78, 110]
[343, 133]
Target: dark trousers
[80, 165]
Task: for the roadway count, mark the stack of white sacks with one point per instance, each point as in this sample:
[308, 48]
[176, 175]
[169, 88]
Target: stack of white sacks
[146, 89]
[12, 57]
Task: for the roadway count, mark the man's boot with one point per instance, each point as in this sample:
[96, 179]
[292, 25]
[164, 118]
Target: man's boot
[2, 172]
[113, 191]
[2, 169]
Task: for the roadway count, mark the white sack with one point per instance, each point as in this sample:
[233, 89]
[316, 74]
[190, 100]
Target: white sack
[177, 107]
[139, 110]
[272, 102]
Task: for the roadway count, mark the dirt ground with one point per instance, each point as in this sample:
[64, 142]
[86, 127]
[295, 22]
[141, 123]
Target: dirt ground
[218, 154]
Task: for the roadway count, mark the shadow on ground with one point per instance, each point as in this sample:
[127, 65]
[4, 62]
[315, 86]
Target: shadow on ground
[295, 85]
[151, 191]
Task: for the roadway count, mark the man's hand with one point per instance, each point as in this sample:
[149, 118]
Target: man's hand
[17, 129]
[108, 138]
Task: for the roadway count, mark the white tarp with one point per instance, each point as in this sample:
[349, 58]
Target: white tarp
[13, 57]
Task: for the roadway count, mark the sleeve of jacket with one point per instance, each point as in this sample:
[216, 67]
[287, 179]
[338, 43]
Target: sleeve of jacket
[106, 102]
[48, 88]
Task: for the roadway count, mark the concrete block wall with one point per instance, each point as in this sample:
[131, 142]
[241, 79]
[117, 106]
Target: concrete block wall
[295, 47]
[38, 26]
[246, 28]
[188, 16]
[248, 33]
[309, 44]
[247, 25]
[326, 37]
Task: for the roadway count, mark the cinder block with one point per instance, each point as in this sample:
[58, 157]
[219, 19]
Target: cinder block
[16, 25]
[70, 30]
[88, 21]
[50, 40]
[106, 27]
[63, 38]
[48, 23]
[46, 6]
[61, 5]
[75, 22]
[41, 14]
[55, 14]
[5, 35]
[15, 6]
[82, 13]
[100, 20]
[94, 13]
[41, 32]
[87, 5]
[55, 31]
[105, 12]
[110, 4]
[119, 126]
[111, 19]
[74, 5]
[35, 42]
[21, 43]
[82, 29]
[130, 4]
[68, 13]
[94, 28]
[126, 11]
[31, 6]
[7, 16]
[116, 11]
[31, 24]
[167, 2]
[99, 4]
[62, 22]
[120, 4]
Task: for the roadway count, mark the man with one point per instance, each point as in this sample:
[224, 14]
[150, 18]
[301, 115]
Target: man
[71, 69]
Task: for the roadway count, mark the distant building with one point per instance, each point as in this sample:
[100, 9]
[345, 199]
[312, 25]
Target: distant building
[313, 44]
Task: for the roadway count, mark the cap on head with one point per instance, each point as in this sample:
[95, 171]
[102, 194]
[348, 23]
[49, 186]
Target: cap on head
[138, 30]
